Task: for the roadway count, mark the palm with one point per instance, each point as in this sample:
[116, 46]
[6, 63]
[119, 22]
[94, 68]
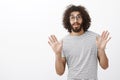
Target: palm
[55, 44]
[57, 47]
[102, 40]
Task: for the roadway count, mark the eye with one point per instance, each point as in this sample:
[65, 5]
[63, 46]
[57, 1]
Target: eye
[79, 16]
[72, 17]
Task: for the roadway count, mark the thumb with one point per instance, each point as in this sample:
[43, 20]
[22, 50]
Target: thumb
[97, 38]
[61, 42]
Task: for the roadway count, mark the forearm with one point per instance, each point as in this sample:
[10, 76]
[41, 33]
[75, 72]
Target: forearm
[103, 58]
[59, 65]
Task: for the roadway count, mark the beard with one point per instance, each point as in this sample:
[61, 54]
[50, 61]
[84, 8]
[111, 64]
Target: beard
[76, 29]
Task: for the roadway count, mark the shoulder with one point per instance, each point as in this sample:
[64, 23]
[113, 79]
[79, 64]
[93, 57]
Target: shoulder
[91, 33]
[65, 37]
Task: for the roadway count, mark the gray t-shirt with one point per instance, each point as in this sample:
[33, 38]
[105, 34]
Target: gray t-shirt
[81, 56]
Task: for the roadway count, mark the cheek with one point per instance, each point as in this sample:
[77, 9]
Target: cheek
[81, 21]
[71, 22]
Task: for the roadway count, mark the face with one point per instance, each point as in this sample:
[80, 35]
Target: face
[75, 21]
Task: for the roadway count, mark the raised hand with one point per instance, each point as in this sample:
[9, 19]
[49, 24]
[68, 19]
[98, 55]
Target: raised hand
[102, 40]
[55, 44]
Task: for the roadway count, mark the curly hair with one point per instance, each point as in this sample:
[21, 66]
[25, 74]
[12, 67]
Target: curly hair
[85, 16]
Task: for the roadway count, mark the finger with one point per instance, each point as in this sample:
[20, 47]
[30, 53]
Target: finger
[54, 37]
[51, 40]
[103, 34]
[49, 43]
[106, 35]
[109, 39]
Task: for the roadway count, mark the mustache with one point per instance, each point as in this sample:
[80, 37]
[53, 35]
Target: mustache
[76, 23]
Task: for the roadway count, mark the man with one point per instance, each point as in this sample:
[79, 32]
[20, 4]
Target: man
[81, 48]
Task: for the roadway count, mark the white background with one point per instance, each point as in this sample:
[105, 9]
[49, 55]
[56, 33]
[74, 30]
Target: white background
[26, 24]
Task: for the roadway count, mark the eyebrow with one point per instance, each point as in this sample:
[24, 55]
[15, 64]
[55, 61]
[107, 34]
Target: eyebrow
[77, 14]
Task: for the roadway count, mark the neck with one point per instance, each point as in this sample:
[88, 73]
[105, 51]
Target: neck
[77, 33]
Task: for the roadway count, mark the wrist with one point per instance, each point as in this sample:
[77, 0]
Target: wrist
[58, 58]
[58, 55]
[101, 50]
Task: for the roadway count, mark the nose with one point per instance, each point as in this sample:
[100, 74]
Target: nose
[75, 20]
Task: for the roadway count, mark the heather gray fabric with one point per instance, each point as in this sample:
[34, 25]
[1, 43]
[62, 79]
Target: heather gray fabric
[81, 55]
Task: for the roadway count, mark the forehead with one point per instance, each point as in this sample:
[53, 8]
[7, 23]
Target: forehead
[74, 13]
